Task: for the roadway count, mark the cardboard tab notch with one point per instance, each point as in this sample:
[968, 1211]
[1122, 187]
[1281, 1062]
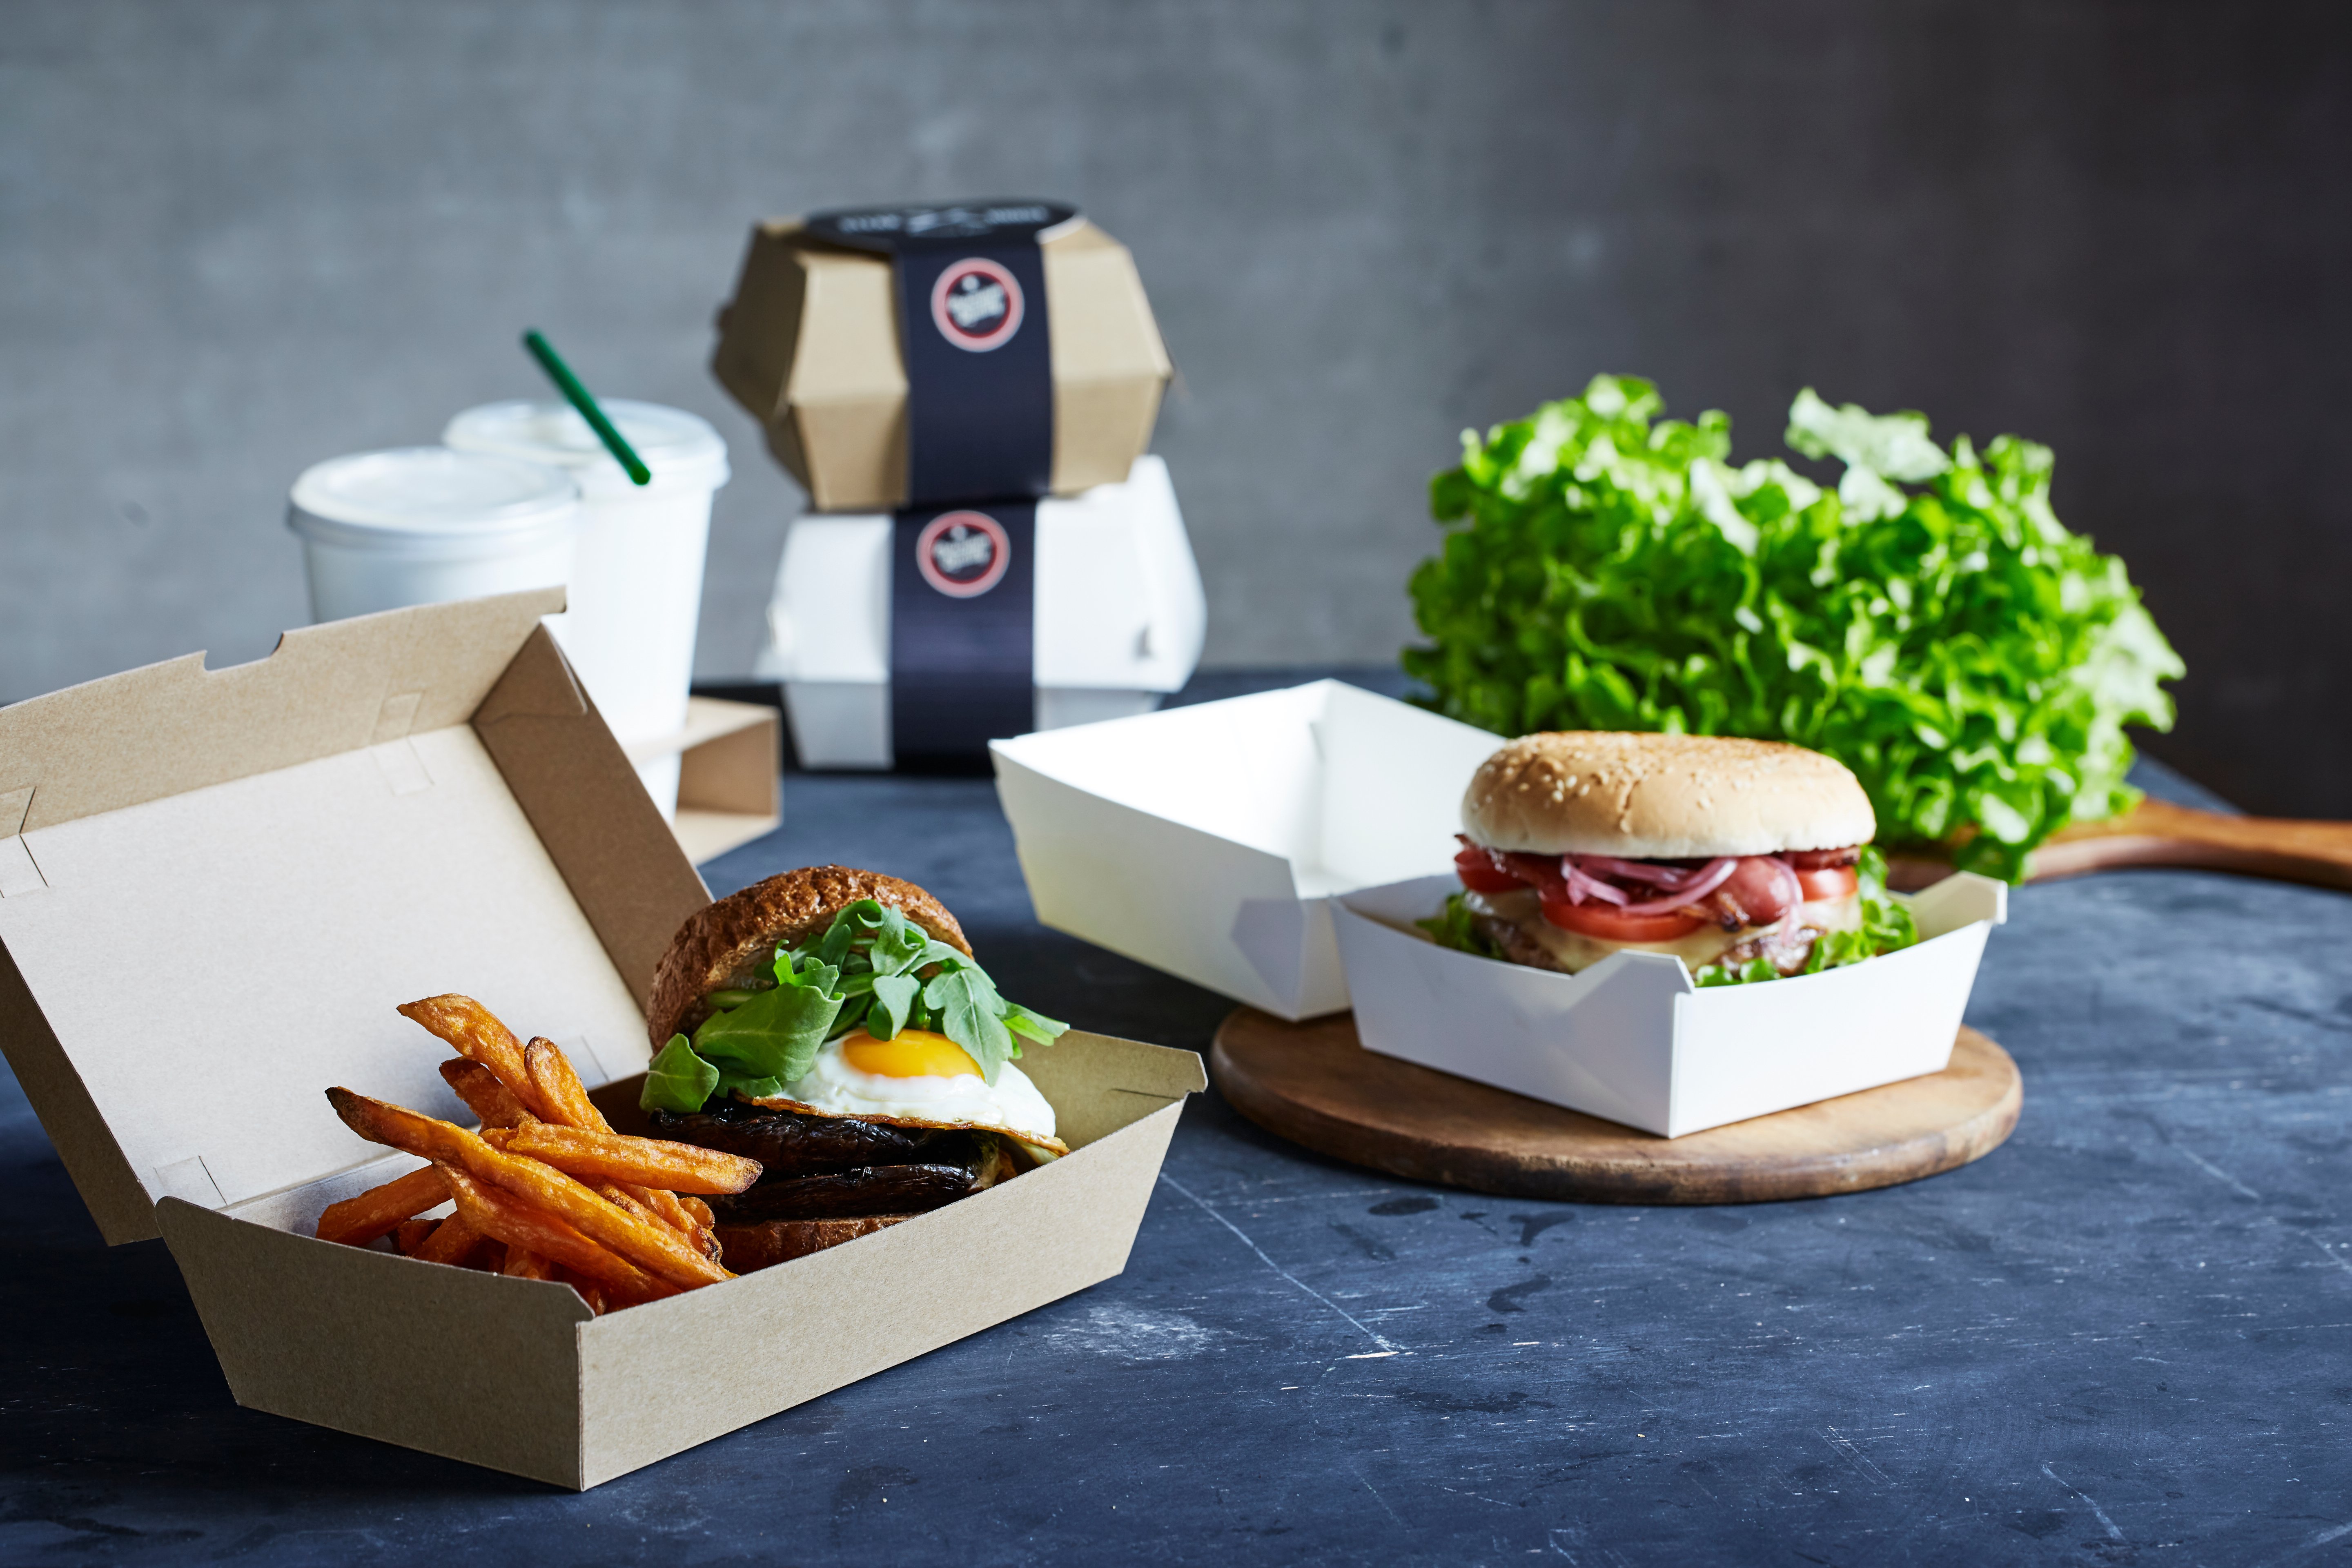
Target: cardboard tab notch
[397, 716]
[402, 769]
[190, 1180]
[20, 874]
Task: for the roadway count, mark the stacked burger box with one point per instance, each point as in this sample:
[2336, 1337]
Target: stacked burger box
[966, 392]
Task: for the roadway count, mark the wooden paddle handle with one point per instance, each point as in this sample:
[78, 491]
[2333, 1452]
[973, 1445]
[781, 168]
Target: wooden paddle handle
[2156, 833]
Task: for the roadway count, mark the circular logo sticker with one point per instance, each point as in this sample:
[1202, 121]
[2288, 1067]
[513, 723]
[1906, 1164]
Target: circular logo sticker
[963, 554]
[976, 304]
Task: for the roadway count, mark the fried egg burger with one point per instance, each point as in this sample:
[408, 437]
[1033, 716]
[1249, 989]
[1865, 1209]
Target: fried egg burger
[833, 1024]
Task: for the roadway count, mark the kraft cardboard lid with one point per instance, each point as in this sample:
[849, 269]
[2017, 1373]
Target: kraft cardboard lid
[430, 495]
[215, 887]
[809, 346]
[680, 449]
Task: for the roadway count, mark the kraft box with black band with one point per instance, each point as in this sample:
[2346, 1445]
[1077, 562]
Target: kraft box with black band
[917, 356]
[961, 366]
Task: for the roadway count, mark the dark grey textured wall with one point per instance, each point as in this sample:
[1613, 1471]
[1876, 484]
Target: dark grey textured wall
[237, 237]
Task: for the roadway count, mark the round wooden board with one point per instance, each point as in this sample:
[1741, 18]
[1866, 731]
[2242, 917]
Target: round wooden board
[1314, 1085]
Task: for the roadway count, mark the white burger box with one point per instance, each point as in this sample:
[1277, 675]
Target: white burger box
[385, 808]
[1120, 617]
[1633, 1040]
[1208, 840]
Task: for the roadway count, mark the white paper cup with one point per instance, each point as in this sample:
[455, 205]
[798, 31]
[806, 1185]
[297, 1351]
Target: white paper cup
[422, 525]
[636, 585]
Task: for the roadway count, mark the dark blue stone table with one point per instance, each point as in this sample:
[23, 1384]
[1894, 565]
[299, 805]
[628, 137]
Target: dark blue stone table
[2125, 1337]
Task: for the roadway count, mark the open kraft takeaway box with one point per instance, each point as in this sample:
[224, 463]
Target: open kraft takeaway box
[214, 888]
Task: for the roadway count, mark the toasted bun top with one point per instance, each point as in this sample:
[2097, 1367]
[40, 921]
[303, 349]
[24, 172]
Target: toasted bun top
[1663, 798]
[725, 944]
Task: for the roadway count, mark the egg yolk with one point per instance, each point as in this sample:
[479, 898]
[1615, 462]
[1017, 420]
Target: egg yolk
[912, 1053]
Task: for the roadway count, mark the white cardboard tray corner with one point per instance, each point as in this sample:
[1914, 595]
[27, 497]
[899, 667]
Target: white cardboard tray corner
[1207, 840]
[387, 807]
[1632, 1039]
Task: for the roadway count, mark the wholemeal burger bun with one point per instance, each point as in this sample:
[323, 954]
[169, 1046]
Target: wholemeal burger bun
[734, 941]
[1663, 798]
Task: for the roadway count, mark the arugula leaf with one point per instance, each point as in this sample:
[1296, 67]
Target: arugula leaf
[893, 995]
[972, 1014]
[853, 1012]
[1930, 623]
[1030, 1025]
[854, 921]
[810, 972]
[868, 967]
[678, 1080]
[732, 1082]
[898, 945]
[777, 1033]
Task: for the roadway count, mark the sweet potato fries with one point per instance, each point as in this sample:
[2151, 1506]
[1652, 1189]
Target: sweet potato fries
[547, 1190]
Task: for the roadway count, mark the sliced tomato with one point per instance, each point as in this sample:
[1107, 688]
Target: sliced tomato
[1605, 922]
[1479, 873]
[1829, 882]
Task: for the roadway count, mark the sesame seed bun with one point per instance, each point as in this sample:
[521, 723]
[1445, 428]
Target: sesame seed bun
[1663, 798]
[726, 944]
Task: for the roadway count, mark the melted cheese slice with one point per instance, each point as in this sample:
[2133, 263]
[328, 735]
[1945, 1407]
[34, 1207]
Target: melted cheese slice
[1575, 951]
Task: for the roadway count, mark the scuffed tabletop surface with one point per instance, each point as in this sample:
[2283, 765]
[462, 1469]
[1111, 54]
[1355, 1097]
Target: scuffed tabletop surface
[2123, 1337]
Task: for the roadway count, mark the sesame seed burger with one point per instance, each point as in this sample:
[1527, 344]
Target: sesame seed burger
[1749, 860]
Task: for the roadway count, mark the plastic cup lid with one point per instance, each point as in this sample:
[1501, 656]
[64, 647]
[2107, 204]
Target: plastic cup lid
[682, 449]
[429, 491]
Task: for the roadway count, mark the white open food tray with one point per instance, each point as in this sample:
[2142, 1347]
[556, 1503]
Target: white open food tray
[1120, 617]
[1206, 840]
[385, 808]
[1633, 1040]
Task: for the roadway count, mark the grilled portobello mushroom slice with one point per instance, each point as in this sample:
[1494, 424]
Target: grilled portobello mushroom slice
[789, 1144]
[844, 1194]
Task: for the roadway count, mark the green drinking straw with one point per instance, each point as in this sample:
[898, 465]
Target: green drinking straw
[579, 397]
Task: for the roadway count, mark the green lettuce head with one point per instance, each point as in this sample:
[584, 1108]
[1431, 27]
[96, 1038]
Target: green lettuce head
[1930, 621]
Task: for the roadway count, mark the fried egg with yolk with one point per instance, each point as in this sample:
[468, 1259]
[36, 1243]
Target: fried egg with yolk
[921, 1077]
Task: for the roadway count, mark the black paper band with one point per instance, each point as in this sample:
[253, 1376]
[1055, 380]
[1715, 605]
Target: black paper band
[973, 332]
[963, 584]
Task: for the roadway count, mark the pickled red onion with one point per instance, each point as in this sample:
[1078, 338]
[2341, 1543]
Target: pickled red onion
[1582, 886]
[1667, 876]
[1706, 880]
